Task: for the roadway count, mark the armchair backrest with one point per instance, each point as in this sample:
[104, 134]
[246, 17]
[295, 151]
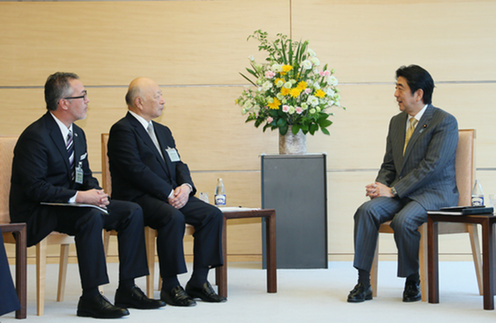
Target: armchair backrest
[464, 165]
[7, 144]
[106, 179]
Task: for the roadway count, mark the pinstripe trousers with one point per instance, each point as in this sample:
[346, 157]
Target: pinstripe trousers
[406, 215]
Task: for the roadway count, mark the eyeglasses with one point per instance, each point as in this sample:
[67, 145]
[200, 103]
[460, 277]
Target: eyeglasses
[85, 95]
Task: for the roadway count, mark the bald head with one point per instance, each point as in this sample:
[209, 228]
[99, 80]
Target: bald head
[144, 97]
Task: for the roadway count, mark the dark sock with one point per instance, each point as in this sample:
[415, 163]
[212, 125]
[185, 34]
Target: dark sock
[168, 283]
[413, 278]
[126, 284]
[90, 292]
[199, 277]
[364, 277]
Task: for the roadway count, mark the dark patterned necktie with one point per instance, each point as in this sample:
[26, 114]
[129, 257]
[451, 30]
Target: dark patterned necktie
[70, 151]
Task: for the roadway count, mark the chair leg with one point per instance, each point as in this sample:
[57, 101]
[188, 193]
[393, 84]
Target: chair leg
[64, 260]
[41, 249]
[150, 256]
[106, 241]
[423, 262]
[373, 270]
[476, 254]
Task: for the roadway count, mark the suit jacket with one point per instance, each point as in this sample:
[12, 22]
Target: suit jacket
[426, 173]
[137, 167]
[41, 170]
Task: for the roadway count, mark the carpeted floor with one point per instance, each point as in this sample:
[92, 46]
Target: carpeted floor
[303, 296]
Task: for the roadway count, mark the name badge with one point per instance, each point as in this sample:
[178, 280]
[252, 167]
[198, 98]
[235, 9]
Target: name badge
[173, 155]
[79, 173]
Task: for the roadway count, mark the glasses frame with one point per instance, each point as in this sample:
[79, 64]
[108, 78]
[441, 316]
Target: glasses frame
[85, 95]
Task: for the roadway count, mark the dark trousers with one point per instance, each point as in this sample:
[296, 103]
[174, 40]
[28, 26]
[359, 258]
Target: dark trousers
[87, 225]
[405, 215]
[169, 223]
[8, 296]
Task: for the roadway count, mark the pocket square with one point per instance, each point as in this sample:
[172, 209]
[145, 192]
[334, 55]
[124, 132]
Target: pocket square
[83, 156]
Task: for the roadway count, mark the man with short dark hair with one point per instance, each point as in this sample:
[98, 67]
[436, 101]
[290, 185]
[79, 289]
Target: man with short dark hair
[51, 166]
[417, 174]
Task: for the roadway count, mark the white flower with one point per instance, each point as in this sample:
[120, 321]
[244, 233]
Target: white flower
[311, 52]
[291, 110]
[313, 101]
[307, 64]
[279, 83]
[315, 61]
[288, 85]
[277, 68]
[266, 86]
[329, 92]
[332, 80]
[312, 111]
[251, 58]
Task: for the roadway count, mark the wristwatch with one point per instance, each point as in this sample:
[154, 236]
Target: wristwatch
[393, 191]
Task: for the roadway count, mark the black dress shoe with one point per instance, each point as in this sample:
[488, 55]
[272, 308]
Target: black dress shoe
[135, 298]
[206, 293]
[99, 307]
[177, 297]
[412, 292]
[360, 293]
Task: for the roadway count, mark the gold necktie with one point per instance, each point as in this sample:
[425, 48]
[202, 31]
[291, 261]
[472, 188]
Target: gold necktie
[409, 132]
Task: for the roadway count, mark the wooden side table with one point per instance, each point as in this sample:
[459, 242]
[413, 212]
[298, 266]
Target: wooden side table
[487, 223]
[270, 225]
[19, 232]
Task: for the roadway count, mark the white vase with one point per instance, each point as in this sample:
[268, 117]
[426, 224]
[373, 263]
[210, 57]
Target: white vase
[291, 144]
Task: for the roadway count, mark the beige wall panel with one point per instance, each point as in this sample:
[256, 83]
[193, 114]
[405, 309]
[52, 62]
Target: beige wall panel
[211, 133]
[366, 40]
[175, 42]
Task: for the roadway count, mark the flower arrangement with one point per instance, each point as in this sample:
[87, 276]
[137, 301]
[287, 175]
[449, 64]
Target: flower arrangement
[290, 89]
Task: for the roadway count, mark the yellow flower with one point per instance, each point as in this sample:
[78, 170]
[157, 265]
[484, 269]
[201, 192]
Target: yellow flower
[285, 91]
[320, 94]
[302, 85]
[295, 92]
[274, 105]
[287, 68]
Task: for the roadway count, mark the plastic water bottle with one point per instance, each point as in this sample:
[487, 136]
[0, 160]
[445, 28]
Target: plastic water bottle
[220, 193]
[477, 194]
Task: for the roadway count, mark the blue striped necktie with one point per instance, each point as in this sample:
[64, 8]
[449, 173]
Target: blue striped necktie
[70, 151]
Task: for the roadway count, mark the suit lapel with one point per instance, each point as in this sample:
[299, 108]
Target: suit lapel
[143, 134]
[59, 142]
[162, 142]
[419, 130]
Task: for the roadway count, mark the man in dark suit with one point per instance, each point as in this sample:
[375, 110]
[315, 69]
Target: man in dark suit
[8, 296]
[417, 174]
[51, 165]
[147, 169]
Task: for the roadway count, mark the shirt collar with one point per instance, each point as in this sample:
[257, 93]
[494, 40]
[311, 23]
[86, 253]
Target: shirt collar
[419, 115]
[141, 120]
[63, 129]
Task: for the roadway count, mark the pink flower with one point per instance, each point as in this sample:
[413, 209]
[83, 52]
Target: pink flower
[325, 73]
[269, 74]
[285, 108]
[308, 90]
[270, 119]
[299, 110]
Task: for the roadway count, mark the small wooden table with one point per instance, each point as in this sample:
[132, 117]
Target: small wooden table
[19, 232]
[487, 223]
[270, 225]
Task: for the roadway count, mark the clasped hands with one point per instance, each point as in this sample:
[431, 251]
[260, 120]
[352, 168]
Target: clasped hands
[180, 196]
[93, 197]
[377, 189]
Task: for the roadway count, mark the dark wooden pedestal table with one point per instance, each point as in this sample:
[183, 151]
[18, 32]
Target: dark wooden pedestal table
[270, 225]
[487, 223]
